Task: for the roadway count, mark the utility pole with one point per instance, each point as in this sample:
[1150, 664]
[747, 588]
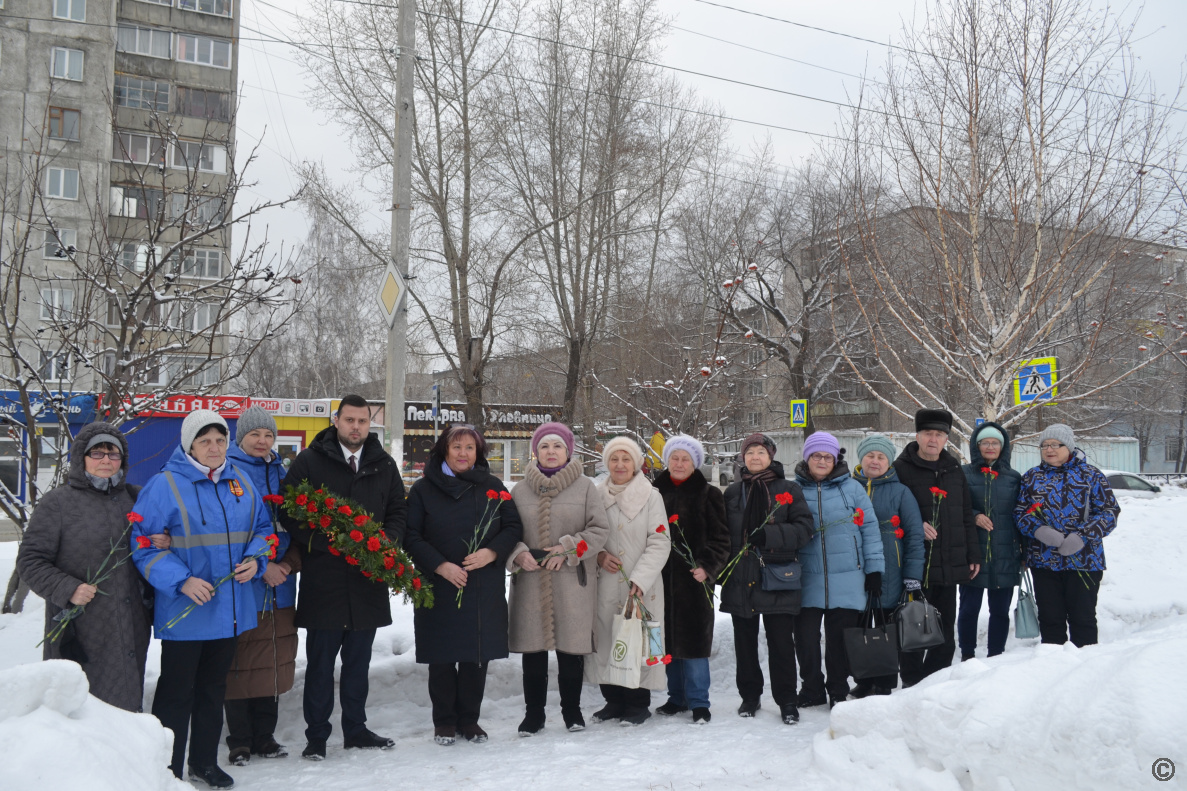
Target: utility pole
[397, 336]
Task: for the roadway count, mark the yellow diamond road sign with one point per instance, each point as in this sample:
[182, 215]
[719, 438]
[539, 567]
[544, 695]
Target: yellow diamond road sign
[391, 293]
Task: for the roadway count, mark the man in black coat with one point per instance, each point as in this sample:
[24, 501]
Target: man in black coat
[339, 608]
[949, 530]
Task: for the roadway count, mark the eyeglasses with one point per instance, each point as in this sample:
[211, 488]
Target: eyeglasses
[821, 457]
[99, 455]
[1051, 446]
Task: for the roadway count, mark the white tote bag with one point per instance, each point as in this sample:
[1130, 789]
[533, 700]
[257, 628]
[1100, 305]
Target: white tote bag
[626, 650]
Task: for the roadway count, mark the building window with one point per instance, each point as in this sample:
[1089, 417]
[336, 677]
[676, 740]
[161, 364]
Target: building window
[141, 94]
[55, 367]
[61, 245]
[756, 388]
[203, 157]
[1171, 448]
[216, 7]
[204, 51]
[755, 356]
[56, 303]
[199, 103]
[61, 183]
[752, 419]
[137, 148]
[200, 317]
[70, 9]
[63, 123]
[196, 209]
[137, 256]
[135, 202]
[115, 317]
[158, 2]
[193, 372]
[67, 64]
[202, 263]
[144, 41]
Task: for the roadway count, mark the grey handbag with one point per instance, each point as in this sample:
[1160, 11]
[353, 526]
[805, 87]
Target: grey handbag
[1026, 617]
[785, 576]
[918, 625]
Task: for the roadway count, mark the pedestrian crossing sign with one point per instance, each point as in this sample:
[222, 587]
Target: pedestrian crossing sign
[1035, 381]
[799, 412]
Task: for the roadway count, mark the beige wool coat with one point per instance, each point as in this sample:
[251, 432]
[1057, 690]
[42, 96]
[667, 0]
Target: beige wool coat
[552, 610]
[643, 552]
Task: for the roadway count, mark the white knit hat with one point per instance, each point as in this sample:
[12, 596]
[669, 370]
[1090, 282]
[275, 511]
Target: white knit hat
[623, 443]
[690, 445]
[196, 421]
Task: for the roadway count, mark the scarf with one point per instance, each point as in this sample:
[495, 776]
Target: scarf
[630, 497]
[104, 484]
[757, 499]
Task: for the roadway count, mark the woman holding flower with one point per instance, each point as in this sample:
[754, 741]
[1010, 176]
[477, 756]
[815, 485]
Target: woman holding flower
[769, 523]
[77, 528]
[994, 486]
[462, 527]
[843, 567]
[220, 529]
[637, 548]
[901, 526]
[696, 514]
[554, 593]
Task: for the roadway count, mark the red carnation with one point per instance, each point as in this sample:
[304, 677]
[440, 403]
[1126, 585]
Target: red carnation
[859, 517]
[325, 521]
[491, 494]
[366, 574]
[899, 533]
[673, 519]
[652, 660]
[330, 502]
[388, 562]
[373, 544]
[667, 659]
[143, 542]
[1033, 508]
[334, 552]
[273, 539]
[400, 570]
[352, 560]
[134, 517]
[272, 554]
[360, 520]
[660, 529]
[938, 492]
[895, 521]
[345, 509]
[319, 491]
[302, 499]
[356, 535]
[311, 508]
[784, 498]
[274, 499]
[987, 470]
[582, 548]
[504, 496]
[416, 583]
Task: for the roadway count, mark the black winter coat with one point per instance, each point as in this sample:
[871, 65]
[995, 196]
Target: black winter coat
[70, 533]
[790, 529]
[1001, 567]
[333, 594]
[688, 614]
[947, 558]
[442, 515]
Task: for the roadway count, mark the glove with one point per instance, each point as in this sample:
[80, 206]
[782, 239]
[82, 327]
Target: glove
[1071, 545]
[1049, 536]
[758, 538]
[912, 586]
[874, 583]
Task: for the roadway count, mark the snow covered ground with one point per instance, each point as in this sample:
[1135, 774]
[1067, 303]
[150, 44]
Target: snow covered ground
[1036, 717]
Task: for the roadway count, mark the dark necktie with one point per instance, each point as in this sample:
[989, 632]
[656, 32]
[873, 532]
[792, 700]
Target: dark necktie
[354, 467]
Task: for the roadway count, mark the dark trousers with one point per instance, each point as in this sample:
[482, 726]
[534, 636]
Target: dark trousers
[970, 611]
[189, 697]
[456, 691]
[625, 696]
[807, 649]
[914, 666]
[780, 629]
[251, 722]
[1067, 599]
[321, 649]
[570, 668]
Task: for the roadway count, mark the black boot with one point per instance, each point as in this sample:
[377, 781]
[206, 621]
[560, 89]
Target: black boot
[535, 692]
[533, 721]
[212, 776]
[569, 683]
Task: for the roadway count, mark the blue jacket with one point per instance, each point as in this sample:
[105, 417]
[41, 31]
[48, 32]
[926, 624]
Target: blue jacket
[1074, 497]
[1001, 567]
[266, 477]
[904, 556]
[840, 554]
[213, 528]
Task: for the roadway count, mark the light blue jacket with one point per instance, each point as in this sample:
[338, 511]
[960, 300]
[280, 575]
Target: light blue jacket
[841, 553]
[266, 477]
[213, 527]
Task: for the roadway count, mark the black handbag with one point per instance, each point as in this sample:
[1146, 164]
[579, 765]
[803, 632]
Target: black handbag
[785, 576]
[919, 625]
[872, 650]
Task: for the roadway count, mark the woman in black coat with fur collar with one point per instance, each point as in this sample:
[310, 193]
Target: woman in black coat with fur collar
[699, 509]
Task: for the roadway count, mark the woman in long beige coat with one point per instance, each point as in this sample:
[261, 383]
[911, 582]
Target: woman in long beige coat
[553, 603]
[629, 567]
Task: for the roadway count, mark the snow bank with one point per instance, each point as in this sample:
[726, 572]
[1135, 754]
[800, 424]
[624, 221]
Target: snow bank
[57, 736]
[1037, 718]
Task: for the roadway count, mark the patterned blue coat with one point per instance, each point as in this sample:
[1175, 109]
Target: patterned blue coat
[1074, 498]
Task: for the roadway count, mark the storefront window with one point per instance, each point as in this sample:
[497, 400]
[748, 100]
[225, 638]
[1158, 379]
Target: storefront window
[494, 457]
[518, 459]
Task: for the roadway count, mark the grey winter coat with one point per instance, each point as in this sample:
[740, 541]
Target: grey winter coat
[71, 531]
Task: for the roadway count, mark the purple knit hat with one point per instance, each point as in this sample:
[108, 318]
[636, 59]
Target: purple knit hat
[559, 429]
[822, 442]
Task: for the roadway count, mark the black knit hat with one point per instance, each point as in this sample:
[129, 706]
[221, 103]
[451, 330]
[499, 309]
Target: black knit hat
[933, 419]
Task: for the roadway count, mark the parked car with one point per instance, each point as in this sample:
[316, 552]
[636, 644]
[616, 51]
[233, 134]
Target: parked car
[1131, 484]
[725, 471]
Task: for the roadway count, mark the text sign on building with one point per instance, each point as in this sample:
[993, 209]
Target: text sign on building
[1036, 380]
[419, 415]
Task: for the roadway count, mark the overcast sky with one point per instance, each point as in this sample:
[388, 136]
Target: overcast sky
[273, 113]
